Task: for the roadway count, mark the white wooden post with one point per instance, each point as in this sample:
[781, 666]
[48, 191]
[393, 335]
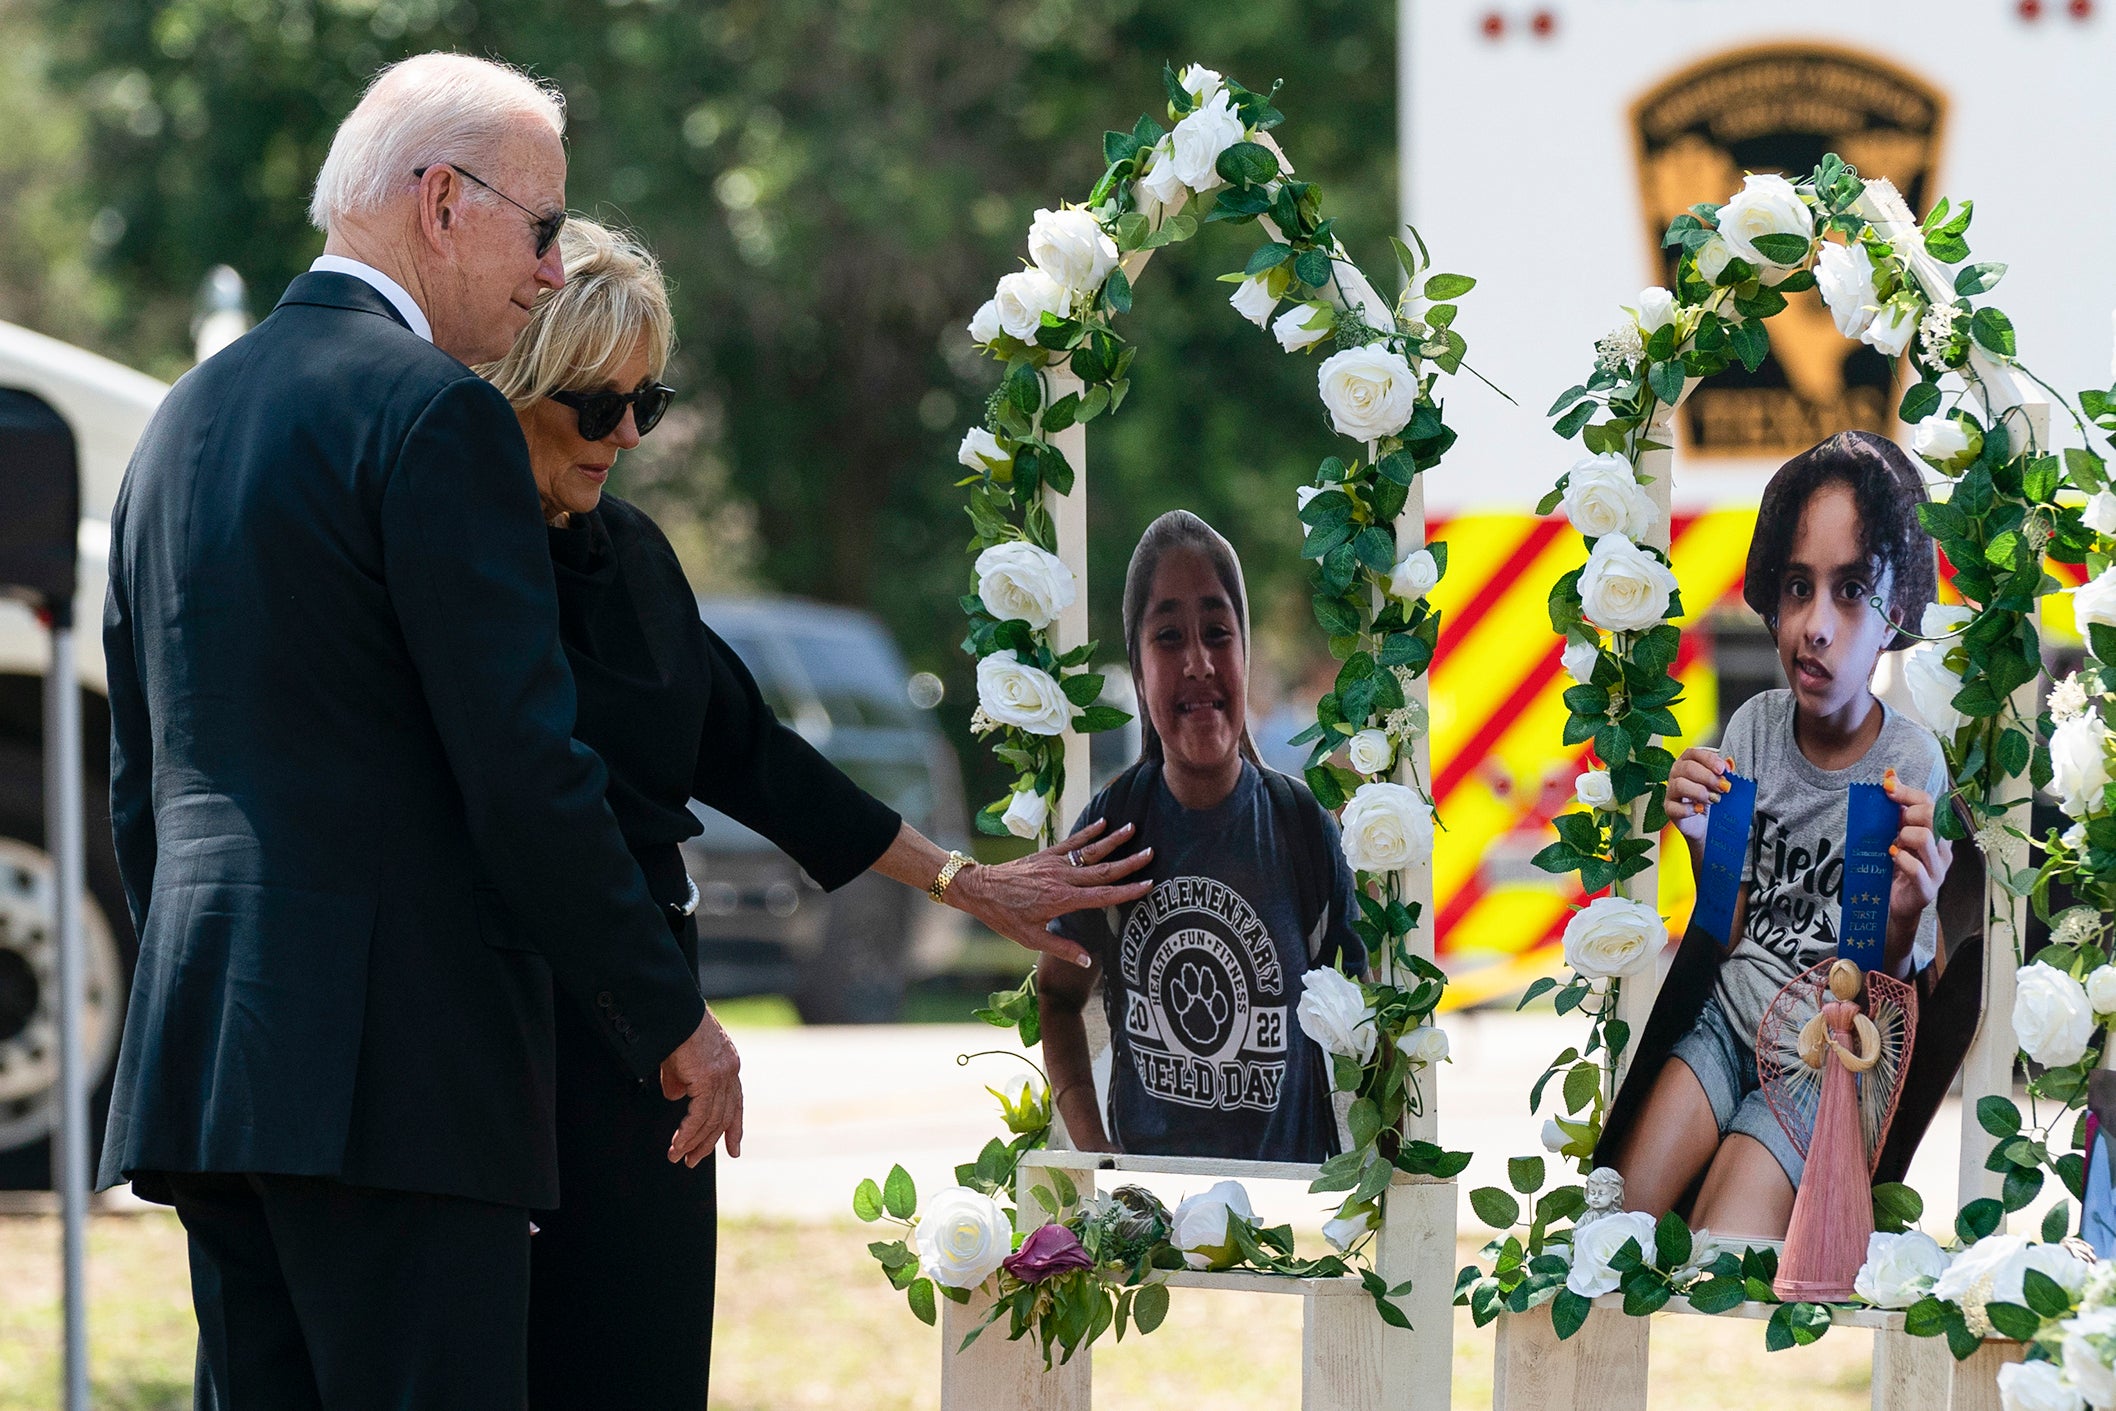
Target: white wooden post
[1599, 1368]
[1069, 518]
[1635, 1003]
[2014, 401]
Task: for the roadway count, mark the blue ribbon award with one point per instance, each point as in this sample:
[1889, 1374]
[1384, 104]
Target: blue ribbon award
[1726, 848]
[1870, 827]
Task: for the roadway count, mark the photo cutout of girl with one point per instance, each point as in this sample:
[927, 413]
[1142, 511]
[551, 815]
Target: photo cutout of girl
[1837, 533]
[1201, 977]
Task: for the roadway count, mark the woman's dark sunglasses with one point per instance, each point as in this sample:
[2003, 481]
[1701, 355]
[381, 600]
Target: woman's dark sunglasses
[600, 412]
[547, 227]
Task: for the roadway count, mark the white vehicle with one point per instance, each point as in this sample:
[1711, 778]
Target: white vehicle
[106, 406]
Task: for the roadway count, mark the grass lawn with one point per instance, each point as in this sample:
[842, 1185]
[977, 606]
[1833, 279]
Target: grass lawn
[806, 1322]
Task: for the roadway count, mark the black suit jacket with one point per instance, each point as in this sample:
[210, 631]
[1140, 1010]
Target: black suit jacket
[356, 835]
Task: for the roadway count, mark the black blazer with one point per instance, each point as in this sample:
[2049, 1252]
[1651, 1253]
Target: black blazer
[357, 837]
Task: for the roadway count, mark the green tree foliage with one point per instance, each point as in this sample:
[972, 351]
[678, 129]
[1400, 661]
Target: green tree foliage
[834, 186]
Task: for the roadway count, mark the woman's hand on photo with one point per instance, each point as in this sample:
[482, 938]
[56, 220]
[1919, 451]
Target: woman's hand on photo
[1921, 855]
[1017, 898]
[1694, 785]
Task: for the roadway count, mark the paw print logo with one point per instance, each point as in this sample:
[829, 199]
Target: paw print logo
[1198, 996]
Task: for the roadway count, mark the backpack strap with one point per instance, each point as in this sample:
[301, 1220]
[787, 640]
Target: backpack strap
[1300, 817]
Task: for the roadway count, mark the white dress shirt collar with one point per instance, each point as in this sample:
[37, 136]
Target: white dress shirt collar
[388, 288]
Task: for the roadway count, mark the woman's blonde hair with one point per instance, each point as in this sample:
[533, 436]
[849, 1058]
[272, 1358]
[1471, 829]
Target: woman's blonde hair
[580, 335]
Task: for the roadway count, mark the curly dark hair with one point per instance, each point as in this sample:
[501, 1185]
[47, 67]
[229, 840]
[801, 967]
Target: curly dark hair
[1887, 488]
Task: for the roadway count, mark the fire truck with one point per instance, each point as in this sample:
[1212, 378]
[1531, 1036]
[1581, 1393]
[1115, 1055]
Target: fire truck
[1544, 148]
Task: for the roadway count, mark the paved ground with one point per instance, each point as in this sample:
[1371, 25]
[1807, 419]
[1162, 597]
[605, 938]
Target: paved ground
[828, 1106]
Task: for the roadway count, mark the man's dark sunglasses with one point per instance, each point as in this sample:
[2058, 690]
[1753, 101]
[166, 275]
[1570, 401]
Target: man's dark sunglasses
[547, 227]
[600, 412]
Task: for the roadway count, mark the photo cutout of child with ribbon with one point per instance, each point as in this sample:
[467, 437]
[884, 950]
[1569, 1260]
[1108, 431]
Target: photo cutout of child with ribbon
[1811, 832]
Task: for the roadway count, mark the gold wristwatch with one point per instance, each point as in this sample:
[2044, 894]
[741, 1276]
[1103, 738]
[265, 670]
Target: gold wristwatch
[956, 862]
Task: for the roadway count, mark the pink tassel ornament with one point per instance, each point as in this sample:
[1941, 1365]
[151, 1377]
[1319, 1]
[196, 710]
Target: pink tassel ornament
[1857, 1053]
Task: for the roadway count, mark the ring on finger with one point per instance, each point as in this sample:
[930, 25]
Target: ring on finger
[1073, 856]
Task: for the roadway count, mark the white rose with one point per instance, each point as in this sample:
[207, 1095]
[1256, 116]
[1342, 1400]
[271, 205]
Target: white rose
[1303, 326]
[1554, 1138]
[1624, 588]
[2051, 1016]
[1369, 391]
[1973, 1265]
[1024, 297]
[1072, 248]
[1580, 658]
[980, 450]
[2100, 513]
[2101, 989]
[1199, 139]
[1594, 1245]
[1371, 751]
[1948, 443]
[1846, 274]
[1656, 309]
[1026, 813]
[1160, 184]
[2036, 1386]
[1333, 1011]
[2054, 1261]
[1899, 1268]
[1933, 685]
[1253, 300]
[1020, 582]
[1893, 328]
[1386, 826]
[1613, 938]
[962, 1236]
[1026, 697]
[1712, 257]
[1201, 83]
[1414, 577]
[1943, 620]
[2095, 600]
[1426, 1044]
[2079, 763]
[1348, 1230]
[1765, 205]
[1603, 496]
[1594, 789]
[1304, 493]
[984, 324]
[2089, 1339]
[1201, 1225]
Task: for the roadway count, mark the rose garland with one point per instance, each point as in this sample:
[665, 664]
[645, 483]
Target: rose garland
[1059, 313]
[2007, 511]
[1095, 1264]
[1369, 590]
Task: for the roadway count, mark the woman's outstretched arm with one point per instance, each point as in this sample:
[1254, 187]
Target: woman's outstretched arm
[1017, 898]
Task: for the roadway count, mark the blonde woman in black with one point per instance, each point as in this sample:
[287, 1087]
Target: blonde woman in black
[622, 1272]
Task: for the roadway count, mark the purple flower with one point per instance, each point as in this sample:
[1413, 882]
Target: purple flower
[1048, 1252]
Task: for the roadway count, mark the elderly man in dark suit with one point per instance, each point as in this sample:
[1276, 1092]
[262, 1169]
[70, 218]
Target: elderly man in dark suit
[360, 846]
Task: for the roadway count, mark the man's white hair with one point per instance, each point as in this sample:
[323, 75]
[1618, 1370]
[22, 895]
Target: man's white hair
[426, 109]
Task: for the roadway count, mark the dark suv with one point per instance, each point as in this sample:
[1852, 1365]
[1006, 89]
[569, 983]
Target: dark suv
[763, 927]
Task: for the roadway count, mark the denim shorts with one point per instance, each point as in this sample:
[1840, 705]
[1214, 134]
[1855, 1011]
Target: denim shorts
[1725, 1065]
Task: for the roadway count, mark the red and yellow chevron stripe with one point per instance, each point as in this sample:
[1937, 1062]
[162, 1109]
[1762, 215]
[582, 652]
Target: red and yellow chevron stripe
[1498, 715]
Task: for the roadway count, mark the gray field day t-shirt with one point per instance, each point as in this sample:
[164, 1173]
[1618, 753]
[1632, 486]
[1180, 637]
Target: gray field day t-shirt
[1795, 867]
[1201, 978]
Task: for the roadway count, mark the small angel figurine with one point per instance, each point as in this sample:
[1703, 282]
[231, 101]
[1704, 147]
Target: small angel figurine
[1605, 1196]
[1835, 1099]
